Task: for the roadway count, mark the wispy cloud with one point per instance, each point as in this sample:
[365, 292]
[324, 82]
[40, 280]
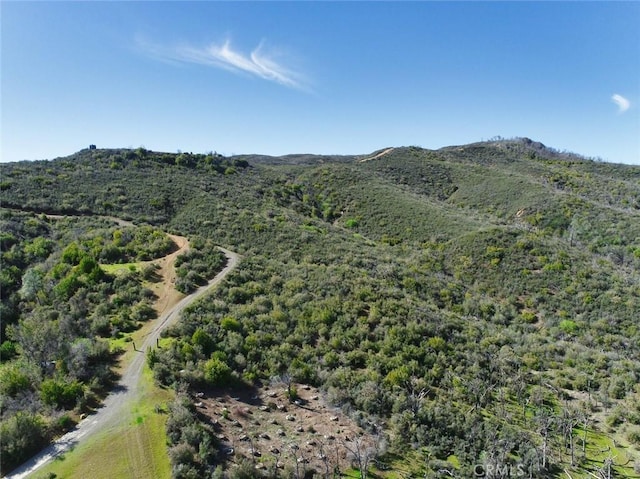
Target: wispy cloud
[622, 102]
[259, 62]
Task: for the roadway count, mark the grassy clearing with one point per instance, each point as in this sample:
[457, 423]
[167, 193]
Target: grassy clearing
[410, 464]
[601, 446]
[135, 448]
[119, 268]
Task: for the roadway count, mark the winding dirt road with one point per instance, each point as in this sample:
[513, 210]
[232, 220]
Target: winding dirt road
[127, 389]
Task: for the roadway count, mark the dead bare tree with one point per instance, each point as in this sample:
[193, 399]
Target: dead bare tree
[568, 421]
[361, 452]
[519, 386]
[544, 420]
[417, 394]
[277, 452]
[336, 467]
[585, 419]
[605, 471]
[322, 455]
[299, 461]
[286, 379]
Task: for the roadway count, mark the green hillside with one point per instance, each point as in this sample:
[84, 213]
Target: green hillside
[474, 307]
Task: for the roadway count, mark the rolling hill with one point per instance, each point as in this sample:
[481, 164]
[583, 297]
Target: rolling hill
[472, 309]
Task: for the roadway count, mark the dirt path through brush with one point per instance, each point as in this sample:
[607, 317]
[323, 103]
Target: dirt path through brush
[169, 306]
[382, 153]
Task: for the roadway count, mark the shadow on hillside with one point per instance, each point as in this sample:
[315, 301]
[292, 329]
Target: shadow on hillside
[247, 394]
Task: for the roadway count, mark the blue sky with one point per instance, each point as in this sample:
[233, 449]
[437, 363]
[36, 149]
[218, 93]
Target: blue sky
[318, 77]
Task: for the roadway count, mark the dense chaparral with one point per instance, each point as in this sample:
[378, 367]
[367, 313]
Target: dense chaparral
[471, 309]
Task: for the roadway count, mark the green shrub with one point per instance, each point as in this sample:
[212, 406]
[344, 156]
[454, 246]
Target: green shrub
[7, 350]
[13, 379]
[568, 326]
[54, 392]
[351, 223]
[62, 424]
[217, 372]
[229, 323]
[68, 286]
[292, 393]
[22, 436]
[204, 340]
[72, 254]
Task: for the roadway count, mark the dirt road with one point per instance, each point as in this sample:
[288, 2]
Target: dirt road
[374, 157]
[127, 389]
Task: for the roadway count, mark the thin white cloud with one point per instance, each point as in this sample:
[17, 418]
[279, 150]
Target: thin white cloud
[622, 102]
[258, 63]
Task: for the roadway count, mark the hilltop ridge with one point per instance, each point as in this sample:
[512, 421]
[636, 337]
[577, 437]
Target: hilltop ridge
[471, 305]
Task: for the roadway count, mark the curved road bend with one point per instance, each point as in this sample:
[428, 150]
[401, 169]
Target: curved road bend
[127, 387]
